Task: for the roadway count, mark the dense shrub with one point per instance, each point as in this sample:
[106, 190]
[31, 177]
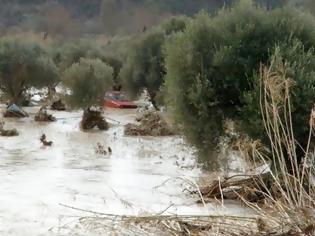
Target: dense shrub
[71, 52]
[88, 80]
[144, 63]
[300, 67]
[24, 65]
[212, 65]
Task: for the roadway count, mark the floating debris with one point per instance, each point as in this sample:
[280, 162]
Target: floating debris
[43, 116]
[44, 141]
[100, 149]
[58, 106]
[150, 124]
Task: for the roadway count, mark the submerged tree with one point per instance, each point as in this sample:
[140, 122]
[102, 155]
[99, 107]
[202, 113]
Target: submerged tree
[24, 65]
[88, 80]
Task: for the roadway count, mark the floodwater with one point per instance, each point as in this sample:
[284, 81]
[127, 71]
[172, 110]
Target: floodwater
[141, 176]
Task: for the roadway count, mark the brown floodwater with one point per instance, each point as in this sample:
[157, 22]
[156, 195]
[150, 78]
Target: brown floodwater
[141, 176]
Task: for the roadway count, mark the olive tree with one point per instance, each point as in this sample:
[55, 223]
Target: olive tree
[212, 67]
[24, 65]
[144, 61]
[88, 80]
[69, 53]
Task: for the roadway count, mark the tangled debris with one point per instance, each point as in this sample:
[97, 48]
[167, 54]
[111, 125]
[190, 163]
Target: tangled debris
[101, 223]
[100, 149]
[58, 106]
[44, 141]
[42, 115]
[248, 187]
[93, 118]
[149, 124]
[7, 133]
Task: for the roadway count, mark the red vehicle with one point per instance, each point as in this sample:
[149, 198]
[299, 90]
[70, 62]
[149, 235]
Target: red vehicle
[117, 99]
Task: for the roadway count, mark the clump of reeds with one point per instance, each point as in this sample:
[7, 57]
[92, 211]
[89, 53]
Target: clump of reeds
[289, 200]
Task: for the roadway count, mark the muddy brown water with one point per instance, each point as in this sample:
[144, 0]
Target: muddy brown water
[141, 176]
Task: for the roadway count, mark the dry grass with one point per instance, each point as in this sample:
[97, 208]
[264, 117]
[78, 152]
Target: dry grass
[289, 201]
[160, 224]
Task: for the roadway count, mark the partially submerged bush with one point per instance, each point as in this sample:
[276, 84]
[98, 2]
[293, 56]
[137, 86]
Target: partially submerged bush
[93, 118]
[24, 65]
[88, 80]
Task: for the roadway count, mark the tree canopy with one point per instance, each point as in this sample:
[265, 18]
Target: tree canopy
[24, 65]
[88, 81]
[211, 67]
[144, 62]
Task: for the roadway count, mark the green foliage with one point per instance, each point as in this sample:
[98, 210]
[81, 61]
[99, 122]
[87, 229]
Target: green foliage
[212, 65]
[71, 53]
[88, 80]
[144, 63]
[24, 65]
[174, 24]
[300, 66]
[307, 5]
[143, 67]
[68, 18]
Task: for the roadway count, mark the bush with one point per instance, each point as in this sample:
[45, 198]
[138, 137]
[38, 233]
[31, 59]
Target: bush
[144, 64]
[211, 67]
[143, 67]
[24, 65]
[72, 52]
[88, 80]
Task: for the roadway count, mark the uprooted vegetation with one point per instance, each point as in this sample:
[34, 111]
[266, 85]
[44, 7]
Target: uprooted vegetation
[149, 124]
